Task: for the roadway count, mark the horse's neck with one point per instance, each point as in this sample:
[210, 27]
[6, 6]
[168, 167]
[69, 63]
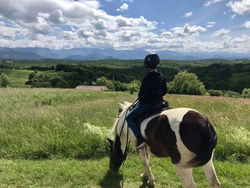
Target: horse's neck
[121, 131]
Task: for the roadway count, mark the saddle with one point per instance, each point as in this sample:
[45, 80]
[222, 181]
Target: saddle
[156, 108]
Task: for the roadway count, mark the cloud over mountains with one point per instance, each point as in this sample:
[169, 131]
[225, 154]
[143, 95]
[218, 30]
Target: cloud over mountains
[68, 24]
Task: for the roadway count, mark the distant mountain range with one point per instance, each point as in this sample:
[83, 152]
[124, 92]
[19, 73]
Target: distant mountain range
[98, 54]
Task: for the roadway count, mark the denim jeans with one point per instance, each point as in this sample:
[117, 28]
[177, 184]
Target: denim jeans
[133, 116]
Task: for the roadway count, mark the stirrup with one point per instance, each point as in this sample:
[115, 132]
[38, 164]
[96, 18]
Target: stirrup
[143, 144]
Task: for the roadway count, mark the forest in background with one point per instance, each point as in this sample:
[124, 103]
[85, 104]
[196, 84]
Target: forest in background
[215, 74]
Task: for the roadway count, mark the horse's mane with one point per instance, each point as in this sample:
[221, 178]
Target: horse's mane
[124, 106]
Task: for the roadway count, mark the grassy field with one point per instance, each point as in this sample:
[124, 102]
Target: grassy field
[57, 138]
[18, 78]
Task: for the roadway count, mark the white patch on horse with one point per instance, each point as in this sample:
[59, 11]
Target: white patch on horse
[175, 117]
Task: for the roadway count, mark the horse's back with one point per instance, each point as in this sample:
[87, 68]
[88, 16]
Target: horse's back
[183, 134]
[174, 116]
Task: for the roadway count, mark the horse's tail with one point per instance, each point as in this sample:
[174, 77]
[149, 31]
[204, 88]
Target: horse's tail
[208, 141]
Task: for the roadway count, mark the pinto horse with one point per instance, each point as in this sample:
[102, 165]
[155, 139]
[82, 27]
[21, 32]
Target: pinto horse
[183, 134]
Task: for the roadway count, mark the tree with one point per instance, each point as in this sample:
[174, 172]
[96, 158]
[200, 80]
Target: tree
[103, 81]
[246, 93]
[4, 80]
[32, 75]
[186, 83]
[120, 86]
[134, 86]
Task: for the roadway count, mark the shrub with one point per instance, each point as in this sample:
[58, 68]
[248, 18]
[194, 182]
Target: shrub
[110, 85]
[228, 93]
[103, 81]
[231, 94]
[246, 93]
[119, 86]
[58, 82]
[4, 80]
[93, 83]
[214, 92]
[134, 86]
[94, 144]
[233, 144]
[186, 83]
[32, 75]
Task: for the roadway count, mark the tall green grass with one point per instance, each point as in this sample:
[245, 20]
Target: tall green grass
[46, 123]
[67, 123]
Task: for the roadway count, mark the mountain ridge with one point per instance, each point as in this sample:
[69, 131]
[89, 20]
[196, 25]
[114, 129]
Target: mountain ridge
[98, 54]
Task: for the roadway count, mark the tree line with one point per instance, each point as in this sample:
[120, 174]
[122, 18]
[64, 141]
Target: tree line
[219, 77]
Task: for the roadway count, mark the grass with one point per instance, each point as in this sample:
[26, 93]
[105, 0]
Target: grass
[94, 173]
[52, 122]
[18, 78]
[57, 138]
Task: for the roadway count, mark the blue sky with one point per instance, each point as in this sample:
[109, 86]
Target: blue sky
[153, 25]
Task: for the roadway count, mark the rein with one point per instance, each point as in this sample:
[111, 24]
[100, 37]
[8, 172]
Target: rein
[126, 146]
[125, 151]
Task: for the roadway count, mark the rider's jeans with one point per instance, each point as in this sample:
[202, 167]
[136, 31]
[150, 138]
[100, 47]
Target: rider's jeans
[133, 117]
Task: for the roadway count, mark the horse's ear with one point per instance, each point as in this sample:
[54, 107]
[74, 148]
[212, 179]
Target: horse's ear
[110, 141]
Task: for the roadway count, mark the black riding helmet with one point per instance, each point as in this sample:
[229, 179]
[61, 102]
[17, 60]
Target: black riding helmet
[151, 61]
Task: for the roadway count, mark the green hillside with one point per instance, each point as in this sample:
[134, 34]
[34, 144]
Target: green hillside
[18, 78]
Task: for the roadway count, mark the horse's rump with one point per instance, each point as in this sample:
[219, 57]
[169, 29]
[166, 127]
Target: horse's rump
[183, 134]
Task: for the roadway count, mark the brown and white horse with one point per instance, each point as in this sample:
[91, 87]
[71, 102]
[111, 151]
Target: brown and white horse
[183, 134]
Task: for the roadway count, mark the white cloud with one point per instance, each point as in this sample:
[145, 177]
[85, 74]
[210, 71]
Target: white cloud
[240, 7]
[188, 30]
[7, 32]
[221, 33]
[193, 44]
[28, 11]
[42, 27]
[69, 35]
[70, 24]
[247, 24]
[92, 27]
[188, 14]
[210, 24]
[135, 22]
[56, 16]
[123, 7]
[211, 2]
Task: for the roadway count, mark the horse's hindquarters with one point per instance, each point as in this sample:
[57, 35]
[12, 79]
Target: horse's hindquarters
[183, 134]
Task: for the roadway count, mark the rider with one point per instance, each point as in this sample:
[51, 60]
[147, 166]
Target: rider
[151, 93]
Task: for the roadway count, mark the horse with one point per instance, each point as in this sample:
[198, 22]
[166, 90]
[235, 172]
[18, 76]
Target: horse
[183, 134]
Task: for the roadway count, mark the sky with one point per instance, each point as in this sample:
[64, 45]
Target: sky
[153, 25]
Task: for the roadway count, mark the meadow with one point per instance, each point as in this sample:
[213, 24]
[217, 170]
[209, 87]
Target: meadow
[58, 138]
[18, 78]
